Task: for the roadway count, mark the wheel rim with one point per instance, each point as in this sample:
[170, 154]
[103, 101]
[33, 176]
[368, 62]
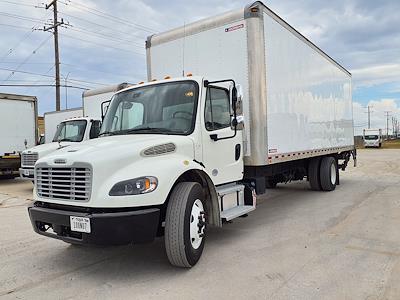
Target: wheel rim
[197, 224]
[333, 174]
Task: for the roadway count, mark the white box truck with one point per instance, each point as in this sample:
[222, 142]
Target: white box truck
[68, 127]
[176, 155]
[373, 138]
[18, 130]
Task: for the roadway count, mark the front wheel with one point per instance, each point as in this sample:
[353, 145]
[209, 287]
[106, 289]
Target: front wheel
[185, 225]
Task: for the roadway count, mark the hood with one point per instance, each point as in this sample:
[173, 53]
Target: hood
[45, 149]
[119, 149]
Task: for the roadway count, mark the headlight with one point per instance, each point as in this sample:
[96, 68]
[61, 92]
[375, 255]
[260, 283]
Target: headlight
[141, 185]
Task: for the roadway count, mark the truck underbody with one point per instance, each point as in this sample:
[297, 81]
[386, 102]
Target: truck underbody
[9, 165]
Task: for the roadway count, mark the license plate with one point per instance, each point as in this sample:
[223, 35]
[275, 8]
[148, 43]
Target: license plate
[26, 172]
[80, 224]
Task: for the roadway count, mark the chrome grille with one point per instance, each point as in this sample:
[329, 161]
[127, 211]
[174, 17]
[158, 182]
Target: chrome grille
[29, 159]
[73, 183]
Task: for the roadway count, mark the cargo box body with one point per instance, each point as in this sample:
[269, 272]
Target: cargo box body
[297, 100]
[18, 123]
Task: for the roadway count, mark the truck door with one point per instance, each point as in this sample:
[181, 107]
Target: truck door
[223, 157]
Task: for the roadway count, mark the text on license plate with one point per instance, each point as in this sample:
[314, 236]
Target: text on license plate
[80, 224]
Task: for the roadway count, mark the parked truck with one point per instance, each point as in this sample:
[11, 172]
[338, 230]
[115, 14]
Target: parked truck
[179, 154]
[373, 138]
[18, 130]
[53, 118]
[68, 127]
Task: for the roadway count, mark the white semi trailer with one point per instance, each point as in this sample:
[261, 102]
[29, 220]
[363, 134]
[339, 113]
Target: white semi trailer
[18, 130]
[176, 155]
[68, 127]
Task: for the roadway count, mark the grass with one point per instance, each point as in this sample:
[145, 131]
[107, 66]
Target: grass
[391, 144]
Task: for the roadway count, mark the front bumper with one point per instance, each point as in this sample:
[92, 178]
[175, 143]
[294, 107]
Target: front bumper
[107, 227]
[27, 172]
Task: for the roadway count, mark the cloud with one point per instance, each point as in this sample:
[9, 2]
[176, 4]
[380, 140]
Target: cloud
[378, 114]
[360, 34]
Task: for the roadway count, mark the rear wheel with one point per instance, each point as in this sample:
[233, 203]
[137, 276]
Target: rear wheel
[185, 225]
[314, 173]
[328, 173]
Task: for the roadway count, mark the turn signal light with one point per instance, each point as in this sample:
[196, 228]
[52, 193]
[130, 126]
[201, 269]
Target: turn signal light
[167, 77]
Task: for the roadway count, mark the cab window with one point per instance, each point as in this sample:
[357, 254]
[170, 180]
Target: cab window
[217, 111]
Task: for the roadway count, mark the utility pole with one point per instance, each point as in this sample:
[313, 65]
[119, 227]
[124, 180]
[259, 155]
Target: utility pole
[369, 116]
[387, 124]
[54, 27]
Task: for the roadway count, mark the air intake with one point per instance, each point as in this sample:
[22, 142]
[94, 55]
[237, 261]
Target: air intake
[159, 149]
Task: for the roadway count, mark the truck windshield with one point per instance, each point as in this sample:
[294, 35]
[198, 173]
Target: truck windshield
[70, 131]
[371, 137]
[165, 108]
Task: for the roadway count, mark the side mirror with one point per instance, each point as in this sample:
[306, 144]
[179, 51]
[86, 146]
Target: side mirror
[239, 101]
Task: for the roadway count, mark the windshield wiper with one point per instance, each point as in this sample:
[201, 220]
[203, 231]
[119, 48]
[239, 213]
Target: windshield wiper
[65, 140]
[109, 133]
[152, 129]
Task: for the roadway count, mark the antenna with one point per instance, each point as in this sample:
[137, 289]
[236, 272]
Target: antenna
[183, 48]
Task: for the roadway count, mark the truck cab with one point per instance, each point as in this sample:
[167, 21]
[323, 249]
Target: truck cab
[69, 132]
[169, 153]
[373, 138]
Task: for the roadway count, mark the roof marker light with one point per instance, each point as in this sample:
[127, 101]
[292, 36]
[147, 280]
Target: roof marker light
[167, 77]
[189, 74]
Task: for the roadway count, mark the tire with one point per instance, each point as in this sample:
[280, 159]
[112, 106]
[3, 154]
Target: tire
[380, 145]
[328, 173]
[314, 173]
[270, 183]
[184, 239]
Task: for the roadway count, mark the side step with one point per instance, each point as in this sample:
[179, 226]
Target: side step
[236, 211]
[232, 204]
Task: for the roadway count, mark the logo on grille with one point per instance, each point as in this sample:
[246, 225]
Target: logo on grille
[60, 161]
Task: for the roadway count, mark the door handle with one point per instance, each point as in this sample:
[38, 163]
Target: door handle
[237, 151]
[214, 137]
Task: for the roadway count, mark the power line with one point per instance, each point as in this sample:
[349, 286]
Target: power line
[102, 45]
[113, 30]
[94, 71]
[15, 26]
[102, 14]
[44, 85]
[27, 35]
[104, 36]
[26, 59]
[19, 17]
[49, 76]
[17, 3]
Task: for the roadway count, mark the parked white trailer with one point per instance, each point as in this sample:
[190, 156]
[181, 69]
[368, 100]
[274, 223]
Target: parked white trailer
[176, 155]
[18, 130]
[373, 137]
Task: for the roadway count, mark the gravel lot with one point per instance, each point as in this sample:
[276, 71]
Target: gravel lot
[298, 244]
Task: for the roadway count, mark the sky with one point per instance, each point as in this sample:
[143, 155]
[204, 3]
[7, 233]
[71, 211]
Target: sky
[102, 43]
